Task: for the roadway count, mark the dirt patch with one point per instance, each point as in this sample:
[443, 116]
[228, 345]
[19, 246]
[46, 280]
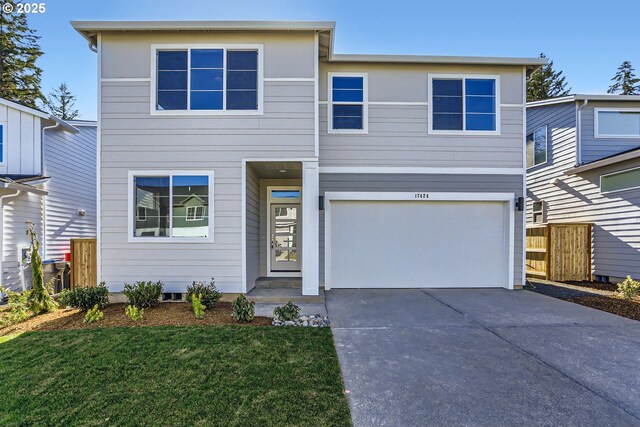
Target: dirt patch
[604, 286]
[167, 314]
[621, 307]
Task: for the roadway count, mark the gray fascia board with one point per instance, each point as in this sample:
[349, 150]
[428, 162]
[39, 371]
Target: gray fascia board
[430, 59]
[604, 162]
[583, 97]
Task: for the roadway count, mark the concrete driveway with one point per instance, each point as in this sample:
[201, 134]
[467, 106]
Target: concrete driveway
[484, 357]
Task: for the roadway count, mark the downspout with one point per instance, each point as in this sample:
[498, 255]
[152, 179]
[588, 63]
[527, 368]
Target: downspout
[2, 199]
[579, 133]
[44, 199]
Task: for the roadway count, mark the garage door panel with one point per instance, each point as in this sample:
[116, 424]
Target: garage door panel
[409, 244]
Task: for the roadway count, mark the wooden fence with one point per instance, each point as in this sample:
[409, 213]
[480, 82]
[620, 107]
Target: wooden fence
[559, 252]
[84, 265]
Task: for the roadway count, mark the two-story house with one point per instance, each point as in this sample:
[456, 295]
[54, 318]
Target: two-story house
[583, 160]
[249, 150]
[47, 176]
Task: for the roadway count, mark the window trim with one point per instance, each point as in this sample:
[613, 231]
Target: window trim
[154, 85]
[604, 175]
[546, 146]
[4, 133]
[596, 121]
[170, 173]
[365, 103]
[431, 77]
[534, 212]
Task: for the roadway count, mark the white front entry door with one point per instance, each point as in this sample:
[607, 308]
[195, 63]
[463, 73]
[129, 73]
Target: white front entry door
[285, 237]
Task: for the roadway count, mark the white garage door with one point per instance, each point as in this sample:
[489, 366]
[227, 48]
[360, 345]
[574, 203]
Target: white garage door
[418, 244]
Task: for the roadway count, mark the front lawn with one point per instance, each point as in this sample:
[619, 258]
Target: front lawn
[155, 376]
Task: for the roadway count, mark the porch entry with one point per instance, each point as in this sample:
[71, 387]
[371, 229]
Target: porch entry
[285, 239]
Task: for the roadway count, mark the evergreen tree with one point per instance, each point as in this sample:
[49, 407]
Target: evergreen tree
[625, 81]
[19, 50]
[60, 103]
[546, 83]
[40, 300]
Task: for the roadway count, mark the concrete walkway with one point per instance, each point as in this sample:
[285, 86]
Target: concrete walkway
[484, 357]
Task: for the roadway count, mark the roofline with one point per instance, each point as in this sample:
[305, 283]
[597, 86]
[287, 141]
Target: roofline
[68, 127]
[629, 155]
[436, 59]
[584, 97]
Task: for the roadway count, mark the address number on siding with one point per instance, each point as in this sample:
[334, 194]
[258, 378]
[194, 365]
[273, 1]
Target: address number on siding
[421, 196]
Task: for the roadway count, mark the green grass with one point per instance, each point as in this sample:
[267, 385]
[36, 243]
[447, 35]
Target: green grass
[209, 376]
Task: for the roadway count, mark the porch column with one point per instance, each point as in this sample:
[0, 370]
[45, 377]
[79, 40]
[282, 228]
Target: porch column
[310, 228]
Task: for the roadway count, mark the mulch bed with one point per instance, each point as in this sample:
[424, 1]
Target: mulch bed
[604, 286]
[166, 314]
[621, 307]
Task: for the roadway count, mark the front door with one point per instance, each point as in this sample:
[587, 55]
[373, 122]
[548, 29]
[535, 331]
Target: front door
[285, 237]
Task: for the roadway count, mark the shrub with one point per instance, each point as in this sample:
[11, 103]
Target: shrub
[18, 307]
[210, 294]
[143, 294]
[134, 313]
[629, 289]
[40, 299]
[289, 311]
[85, 298]
[198, 306]
[93, 315]
[243, 309]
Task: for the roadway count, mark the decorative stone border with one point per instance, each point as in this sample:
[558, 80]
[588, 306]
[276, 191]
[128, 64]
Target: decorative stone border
[313, 321]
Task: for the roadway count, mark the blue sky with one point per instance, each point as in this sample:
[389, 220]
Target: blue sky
[587, 40]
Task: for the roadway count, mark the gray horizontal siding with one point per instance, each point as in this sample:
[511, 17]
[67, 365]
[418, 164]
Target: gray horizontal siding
[597, 148]
[70, 161]
[427, 183]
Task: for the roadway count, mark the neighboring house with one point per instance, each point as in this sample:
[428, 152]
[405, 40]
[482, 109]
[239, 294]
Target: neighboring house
[347, 171]
[47, 175]
[583, 159]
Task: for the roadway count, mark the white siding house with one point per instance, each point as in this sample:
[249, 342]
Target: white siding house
[26, 134]
[284, 142]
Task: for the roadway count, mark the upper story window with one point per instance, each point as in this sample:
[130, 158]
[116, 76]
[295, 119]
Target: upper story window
[348, 103]
[171, 205]
[537, 147]
[619, 181]
[463, 104]
[207, 80]
[617, 123]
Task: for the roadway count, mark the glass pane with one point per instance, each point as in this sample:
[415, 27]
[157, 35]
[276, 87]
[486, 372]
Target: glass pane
[206, 80]
[206, 58]
[285, 194]
[624, 123]
[347, 122]
[540, 145]
[447, 121]
[537, 206]
[172, 60]
[242, 80]
[480, 104]
[172, 80]
[447, 87]
[530, 152]
[208, 100]
[286, 241]
[621, 181]
[285, 255]
[481, 121]
[348, 83]
[347, 111]
[347, 95]
[347, 117]
[152, 197]
[190, 206]
[172, 100]
[242, 100]
[242, 60]
[447, 104]
[480, 87]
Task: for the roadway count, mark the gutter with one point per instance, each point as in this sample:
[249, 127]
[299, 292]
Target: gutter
[579, 133]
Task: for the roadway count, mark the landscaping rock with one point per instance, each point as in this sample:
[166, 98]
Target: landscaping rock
[305, 321]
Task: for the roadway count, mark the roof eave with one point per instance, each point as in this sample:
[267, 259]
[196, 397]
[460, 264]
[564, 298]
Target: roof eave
[534, 63]
[604, 162]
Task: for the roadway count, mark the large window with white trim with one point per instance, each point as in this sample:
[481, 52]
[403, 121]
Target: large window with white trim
[463, 104]
[620, 181]
[617, 123]
[203, 79]
[347, 103]
[537, 147]
[172, 205]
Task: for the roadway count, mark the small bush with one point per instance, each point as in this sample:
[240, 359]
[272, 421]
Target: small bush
[18, 307]
[289, 311]
[243, 309]
[93, 315]
[40, 299]
[629, 289]
[134, 313]
[210, 294]
[143, 294]
[86, 298]
[198, 306]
